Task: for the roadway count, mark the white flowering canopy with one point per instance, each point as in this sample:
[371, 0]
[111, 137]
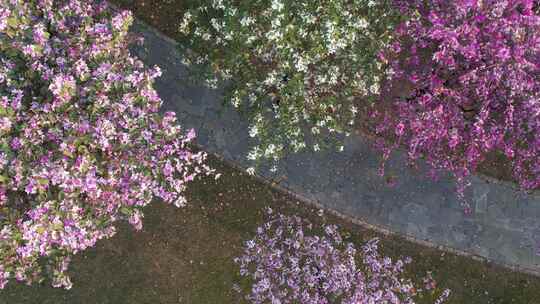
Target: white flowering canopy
[296, 66]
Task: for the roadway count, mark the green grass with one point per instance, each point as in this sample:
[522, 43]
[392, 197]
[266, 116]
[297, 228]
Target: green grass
[185, 255]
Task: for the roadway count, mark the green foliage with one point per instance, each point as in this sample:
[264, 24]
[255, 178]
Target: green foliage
[294, 67]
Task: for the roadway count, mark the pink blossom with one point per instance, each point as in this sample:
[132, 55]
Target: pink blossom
[100, 151]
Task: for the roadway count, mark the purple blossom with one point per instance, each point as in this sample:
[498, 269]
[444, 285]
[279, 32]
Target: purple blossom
[473, 96]
[16, 143]
[287, 262]
[100, 151]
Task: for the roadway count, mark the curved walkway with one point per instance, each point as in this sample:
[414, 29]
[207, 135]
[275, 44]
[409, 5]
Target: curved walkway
[504, 226]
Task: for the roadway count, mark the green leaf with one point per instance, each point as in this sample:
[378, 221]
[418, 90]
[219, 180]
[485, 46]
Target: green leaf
[13, 22]
[125, 210]
[68, 153]
[82, 149]
[5, 148]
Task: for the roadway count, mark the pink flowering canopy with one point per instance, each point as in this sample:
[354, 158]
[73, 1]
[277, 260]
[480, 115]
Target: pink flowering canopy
[475, 66]
[289, 262]
[82, 144]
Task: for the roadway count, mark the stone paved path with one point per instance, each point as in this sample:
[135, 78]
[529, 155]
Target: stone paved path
[503, 227]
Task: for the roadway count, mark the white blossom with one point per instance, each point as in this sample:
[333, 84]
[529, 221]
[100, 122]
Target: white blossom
[253, 131]
[263, 34]
[250, 171]
[277, 5]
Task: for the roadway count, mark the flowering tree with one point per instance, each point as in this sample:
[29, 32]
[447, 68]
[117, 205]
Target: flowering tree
[288, 263]
[477, 86]
[82, 145]
[291, 65]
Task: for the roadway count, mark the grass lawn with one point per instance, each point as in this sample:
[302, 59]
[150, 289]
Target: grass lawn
[185, 255]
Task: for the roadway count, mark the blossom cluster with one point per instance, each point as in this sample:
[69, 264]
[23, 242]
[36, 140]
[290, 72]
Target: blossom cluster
[475, 67]
[288, 262]
[82, 144]
[295, 67]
